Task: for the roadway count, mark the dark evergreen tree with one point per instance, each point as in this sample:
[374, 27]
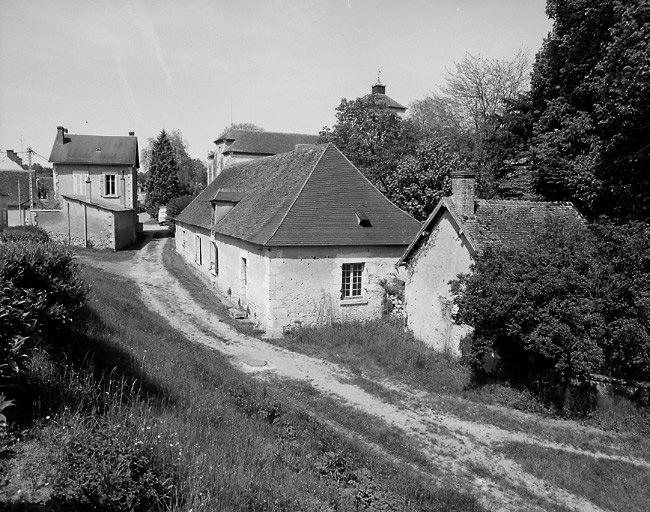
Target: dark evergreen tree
[162, 179]
[591, 100]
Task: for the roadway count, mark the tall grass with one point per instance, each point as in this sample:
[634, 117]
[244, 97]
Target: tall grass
[190, 431]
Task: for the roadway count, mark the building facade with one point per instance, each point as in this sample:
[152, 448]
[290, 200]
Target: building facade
[300, 238]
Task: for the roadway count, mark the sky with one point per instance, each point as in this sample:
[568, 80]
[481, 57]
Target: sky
[109, 67]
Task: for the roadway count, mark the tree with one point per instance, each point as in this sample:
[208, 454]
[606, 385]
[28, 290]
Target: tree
[572, 300]
[422, 179]
[192, 172]
[590, 96]
[469, 112]
[372, 136]
[249, 127]
[162, 182]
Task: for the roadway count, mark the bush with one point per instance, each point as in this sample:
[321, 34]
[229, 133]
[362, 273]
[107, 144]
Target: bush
[177, 205]
[40, 294]
[571, 301]
[24, 233]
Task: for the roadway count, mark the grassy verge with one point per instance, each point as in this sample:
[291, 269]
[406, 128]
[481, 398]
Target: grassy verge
[609, 484]
[188, 430]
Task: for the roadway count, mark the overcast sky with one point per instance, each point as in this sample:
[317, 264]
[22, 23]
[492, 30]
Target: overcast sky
[108, 67]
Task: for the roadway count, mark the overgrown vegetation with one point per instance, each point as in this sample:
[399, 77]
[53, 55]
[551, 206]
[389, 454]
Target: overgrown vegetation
[571, 301]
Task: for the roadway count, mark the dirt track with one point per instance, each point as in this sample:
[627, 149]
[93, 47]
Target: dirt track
[462, 449]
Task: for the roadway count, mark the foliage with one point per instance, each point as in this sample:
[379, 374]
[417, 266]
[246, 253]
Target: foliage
[422, 179]
[569, 301]
[249, 127]
[104, 465]
[40, 293]
[162, 182]
[24, 233]
[470, 111]
[192, 172]
[372, 136]
[590, 89]
[177, 204]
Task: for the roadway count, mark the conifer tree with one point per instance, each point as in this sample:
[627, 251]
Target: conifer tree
[162, 179]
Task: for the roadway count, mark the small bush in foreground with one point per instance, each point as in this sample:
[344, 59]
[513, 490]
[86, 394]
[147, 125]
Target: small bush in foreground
[24, 233]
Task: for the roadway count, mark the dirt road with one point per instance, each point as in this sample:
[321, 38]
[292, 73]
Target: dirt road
[465, 451]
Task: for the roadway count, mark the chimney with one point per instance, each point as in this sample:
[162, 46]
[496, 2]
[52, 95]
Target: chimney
[60, 132]
[11, 155]
[379, 88]
[463, 184]
[131, 134]
[88, 189]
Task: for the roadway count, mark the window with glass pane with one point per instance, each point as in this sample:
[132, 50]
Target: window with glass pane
[109, 185]
[351, 280]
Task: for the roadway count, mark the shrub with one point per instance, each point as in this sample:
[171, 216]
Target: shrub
[24, 233]
[40, 293]
[176, 206]
[571, 301]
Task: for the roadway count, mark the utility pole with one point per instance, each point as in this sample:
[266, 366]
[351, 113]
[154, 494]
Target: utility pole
[31, 184]
[20, 208]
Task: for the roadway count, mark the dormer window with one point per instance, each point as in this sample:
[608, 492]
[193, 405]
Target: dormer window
[362, 218]
[224, 201]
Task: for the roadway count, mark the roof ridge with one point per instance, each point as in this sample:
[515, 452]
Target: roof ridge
[526, 201]
[325, 146]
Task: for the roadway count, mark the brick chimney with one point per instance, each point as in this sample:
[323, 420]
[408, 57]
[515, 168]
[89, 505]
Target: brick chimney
[60, 132]
[131, 134]
[463, 184]
[11, 155]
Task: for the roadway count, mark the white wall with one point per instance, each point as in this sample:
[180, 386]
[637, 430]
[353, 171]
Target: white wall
[428, 297]
[64, 182]
[305, 284]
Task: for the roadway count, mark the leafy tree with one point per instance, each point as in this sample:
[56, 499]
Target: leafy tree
[422, 179]
[570, 301]
[590, 94]
[162, 182]
[372, 136]
[192, 172]
[249, 127]
[470, 109]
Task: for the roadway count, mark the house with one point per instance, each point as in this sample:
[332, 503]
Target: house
[4, 211]
[95, 181]
[242, 145]
[299, 238]
[378, 94]
[14, 182]
[458, 229]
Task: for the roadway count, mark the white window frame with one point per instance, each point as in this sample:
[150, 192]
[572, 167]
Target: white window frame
[352, 280]
[106, 192]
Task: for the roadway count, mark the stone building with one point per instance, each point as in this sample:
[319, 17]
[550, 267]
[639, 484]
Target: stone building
[458, 229]
[95, 181]
[378, 94]
[243, 145]
[298, 238]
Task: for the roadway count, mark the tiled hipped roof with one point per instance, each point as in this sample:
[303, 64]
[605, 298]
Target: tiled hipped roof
[95, 149]
[264, 143]
[385, 100]
[304, 197]
[497, 222]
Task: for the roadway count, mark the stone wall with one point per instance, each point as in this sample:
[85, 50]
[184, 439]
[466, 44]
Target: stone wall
[427, 295]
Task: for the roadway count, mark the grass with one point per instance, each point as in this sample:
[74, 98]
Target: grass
[612, 485]
[205, 436]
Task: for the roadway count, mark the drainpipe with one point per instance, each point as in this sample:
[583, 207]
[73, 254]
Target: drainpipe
[123, 190]
[88, 189]
[85, 225]
[69, 228]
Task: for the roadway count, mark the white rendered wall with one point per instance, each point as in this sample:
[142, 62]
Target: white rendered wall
[428, 297]
[305, 284]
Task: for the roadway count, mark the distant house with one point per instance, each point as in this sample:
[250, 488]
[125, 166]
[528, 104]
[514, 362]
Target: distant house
[378, 94]
[95, 179]
[299, 238]
[4, 212]
[242, 145]
[14, 182]
[459, 228]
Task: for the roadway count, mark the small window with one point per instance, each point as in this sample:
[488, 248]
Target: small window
[109, 185]
[214, 259]
[351, 280]
[197, 250]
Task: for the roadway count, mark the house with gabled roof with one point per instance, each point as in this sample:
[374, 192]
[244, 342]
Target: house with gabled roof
[299, 238]
[95, 182]
[460, 228]
[237, 145]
